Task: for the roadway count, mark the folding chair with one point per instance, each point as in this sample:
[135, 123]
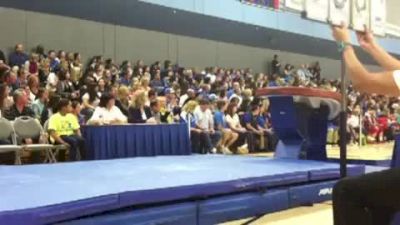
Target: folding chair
[56, 147]
[27, 127]
[7, 133]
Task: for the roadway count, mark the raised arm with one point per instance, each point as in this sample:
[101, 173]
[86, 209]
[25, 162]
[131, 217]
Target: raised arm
[382, 57]
[365, 81]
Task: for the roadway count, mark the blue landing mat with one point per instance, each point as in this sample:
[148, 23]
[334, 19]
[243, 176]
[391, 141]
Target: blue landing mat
[51, 193]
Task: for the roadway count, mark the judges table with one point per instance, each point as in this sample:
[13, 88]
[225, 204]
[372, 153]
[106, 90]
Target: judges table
[122, 141]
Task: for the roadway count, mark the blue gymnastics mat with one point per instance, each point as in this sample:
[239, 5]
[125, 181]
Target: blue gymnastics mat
[45, 194]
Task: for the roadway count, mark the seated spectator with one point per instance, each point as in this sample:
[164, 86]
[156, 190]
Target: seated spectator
[39, 105]
[64, 129]
[22, 80]
[54, 61]
[18, 57]
[32, 65]
[233, 121]
[76, 68]
[33, 85]
[126, 77]
[65, 87]
[50, 108]
[20, 107]
[246, 101]
[205, 122]
[250, 120]
[189, 96]
[5, 102]
[171, 102]
[90, 100]
[76, 111]
[107, 112]
[123, 99]
[102, 85]
[139, 112]
[155, 109]
[157, 84]
[228, 136]
[145, 84]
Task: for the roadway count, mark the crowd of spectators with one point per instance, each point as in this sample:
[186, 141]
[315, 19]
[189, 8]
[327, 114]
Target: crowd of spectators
[218, 103]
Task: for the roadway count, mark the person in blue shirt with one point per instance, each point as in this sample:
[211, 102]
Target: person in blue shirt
[18, 57]
[228, 136]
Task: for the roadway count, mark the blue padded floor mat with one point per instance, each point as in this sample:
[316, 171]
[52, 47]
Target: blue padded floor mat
[146, 180]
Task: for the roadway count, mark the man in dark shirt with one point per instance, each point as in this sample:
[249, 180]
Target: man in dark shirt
[20, 107]
[18, 58]
[275, 65]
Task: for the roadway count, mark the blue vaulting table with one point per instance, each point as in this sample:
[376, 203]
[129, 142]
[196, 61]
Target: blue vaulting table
[122, 141]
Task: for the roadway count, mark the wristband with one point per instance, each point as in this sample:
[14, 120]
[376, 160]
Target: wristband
[343, 45]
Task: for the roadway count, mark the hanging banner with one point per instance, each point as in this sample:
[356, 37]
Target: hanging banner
[360, 16]
[378, 17]
[317, 9]
[297, 5]
[339, 12]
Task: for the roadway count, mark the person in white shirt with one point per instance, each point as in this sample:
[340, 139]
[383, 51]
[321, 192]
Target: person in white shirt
[107, 113]
[205, 122]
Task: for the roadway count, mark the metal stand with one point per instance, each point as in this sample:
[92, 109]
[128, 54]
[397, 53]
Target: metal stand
[343, 123]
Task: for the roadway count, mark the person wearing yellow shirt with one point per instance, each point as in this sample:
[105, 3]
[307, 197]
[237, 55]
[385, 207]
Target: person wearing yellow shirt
[64, 129]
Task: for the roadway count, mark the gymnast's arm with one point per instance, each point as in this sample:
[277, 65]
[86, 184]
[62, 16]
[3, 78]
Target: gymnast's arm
[385, 83]
[367, 42]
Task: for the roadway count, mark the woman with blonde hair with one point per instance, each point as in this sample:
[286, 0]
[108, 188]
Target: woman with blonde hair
[123, 99]
[139, 112]
[187, 116]
[145, 84]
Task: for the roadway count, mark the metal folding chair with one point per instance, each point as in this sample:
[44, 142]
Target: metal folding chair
[27, 127]
[56, 147]
[7, 133]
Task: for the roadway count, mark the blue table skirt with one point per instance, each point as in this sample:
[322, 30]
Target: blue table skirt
[122, 141]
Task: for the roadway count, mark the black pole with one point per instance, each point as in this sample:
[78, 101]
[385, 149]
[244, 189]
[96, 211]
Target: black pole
[343, 123]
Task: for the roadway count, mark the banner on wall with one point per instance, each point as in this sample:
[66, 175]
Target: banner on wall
[317, 9]
[265, 3]
[297, 5]
[360, 14]
[339, 12]
[378, 17]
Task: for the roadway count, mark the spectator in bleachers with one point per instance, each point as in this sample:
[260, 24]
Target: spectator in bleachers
[236, 92]
[20, 106]
[76, 111]
[53, 60]
[33, 85]
[76, 68]
[157, 83]
[189, 96]
[107, 113]
[205, 122]
[123, 100]
[233, 121]
[275, 65]
[91, 99]
[18, 57]
[228, 136]
[32, 65]
[65, 129]
[39, 104]
[139, 112]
